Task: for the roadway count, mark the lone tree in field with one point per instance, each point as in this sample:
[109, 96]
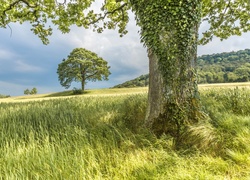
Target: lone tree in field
[81, 66]
[169, 30]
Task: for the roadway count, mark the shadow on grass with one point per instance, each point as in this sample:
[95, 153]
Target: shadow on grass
[66, 93]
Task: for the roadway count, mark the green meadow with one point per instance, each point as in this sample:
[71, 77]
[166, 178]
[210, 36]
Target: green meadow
[100, 135]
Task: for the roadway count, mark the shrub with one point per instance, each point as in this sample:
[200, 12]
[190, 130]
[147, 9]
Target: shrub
[77, 91]
[4, 96]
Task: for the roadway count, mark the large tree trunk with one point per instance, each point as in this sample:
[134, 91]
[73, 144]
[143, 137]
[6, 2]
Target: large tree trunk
[173, 101]
[173, 104]
[171, 107]
[170, 31]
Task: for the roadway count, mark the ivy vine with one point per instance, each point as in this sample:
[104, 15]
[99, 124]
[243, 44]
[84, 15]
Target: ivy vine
[170, 29]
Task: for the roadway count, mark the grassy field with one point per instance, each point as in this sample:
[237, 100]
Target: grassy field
[99, 135]
[225, 85]
[111, 92]
[67, 94]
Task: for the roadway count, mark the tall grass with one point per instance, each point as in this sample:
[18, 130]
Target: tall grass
[104, 138]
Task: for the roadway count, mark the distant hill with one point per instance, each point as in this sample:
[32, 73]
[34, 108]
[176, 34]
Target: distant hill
[141, 81]
[214, 68]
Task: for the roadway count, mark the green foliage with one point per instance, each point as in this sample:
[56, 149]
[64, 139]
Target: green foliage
[224, 67]
[76, 91]
[33, 91]
[94, 138]
[82, 65]
[141, 81]
[64, 15]
[168, 28]
[226, 18]
[26, 92]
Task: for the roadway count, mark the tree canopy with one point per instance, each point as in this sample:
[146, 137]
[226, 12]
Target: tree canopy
[82, 65]
[225, 18]
[26, 92]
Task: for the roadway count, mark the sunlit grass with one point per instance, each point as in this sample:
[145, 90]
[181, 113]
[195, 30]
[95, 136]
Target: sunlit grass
[102, 137]
[225, 85]
[66, 94]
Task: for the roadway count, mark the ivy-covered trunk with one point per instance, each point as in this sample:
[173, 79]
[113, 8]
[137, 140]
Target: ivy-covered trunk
[173, 104]
[169, 29]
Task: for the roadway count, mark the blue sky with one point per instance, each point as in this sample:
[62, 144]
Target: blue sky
[26, 63]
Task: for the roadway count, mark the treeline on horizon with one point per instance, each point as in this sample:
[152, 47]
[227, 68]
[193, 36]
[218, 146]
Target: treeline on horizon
[223, 67]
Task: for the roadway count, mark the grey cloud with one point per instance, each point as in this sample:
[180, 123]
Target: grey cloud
[12, 89]
[21, 66]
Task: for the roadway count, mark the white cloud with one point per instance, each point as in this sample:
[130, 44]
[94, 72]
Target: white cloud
[234, 43]
[6, 54]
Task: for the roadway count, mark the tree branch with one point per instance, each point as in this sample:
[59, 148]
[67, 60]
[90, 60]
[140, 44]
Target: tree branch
[12, 5]
[64, 2]
[15, 3]
[91, 75]
[107, 13]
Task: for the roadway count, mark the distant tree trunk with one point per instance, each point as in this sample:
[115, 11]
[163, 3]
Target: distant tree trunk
[83, 85]
[83, 81]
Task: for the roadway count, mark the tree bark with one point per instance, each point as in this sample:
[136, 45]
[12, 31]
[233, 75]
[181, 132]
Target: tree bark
[174, 106]
[155, 91]
[83, 80]
[83, 77]
[83, 84]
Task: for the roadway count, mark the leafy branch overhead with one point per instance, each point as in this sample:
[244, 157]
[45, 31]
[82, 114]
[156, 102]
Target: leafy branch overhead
[82, 65]
[82, 13]
[225, 18]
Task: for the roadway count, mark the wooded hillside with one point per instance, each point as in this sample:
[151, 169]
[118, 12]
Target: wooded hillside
[214, 68]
